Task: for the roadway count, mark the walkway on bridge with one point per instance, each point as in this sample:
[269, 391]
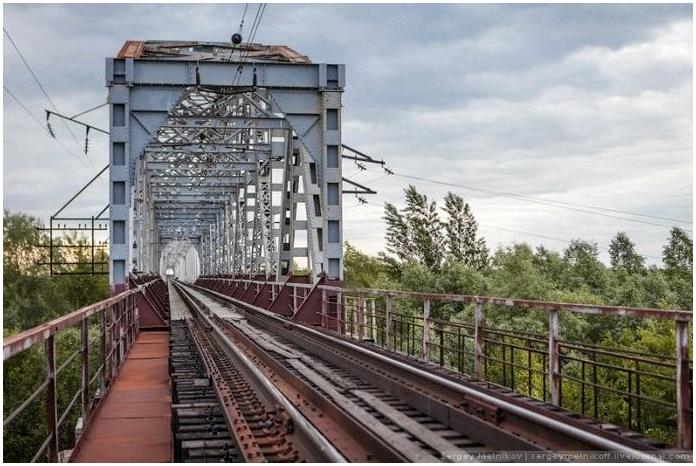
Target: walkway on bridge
[134, 423]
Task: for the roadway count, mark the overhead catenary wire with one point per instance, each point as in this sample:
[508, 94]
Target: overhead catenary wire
[38, 82]
[239, 31]
[557, 204]
[260, 11]
[521, 232]
[41, 125]
[577, 207]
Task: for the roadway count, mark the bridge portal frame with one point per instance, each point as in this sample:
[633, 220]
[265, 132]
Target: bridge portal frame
[143, 90]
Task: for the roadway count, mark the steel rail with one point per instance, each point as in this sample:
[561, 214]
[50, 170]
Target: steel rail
[354, 438]
[300, 422]
[530, 415]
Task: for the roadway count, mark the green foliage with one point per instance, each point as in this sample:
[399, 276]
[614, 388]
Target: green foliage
[623, 255]
[30, 298]
[417, 234]
[461, 230]
[30, 295]
[575, 275]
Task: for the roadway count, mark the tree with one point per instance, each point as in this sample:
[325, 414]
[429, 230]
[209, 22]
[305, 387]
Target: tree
[461, 229]
[678, 254]
[585, 268]
[678, 257]
[414, 233]
[361, 270]
[623, 255]
[398, 237]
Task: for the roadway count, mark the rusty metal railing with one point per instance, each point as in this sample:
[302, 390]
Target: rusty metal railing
[113, 325]
[636, 390]
[540, 365]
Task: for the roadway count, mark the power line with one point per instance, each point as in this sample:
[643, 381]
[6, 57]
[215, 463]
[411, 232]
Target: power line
[552, 238]
[239, 31]
[557, 204]
[38, 82]
[260, 11]
[41, 125]
[527, 233]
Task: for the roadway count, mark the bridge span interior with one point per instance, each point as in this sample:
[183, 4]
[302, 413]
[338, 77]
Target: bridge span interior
[234, 149]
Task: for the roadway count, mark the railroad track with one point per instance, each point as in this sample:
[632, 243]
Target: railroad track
[224, 411]
[373, 407]
[200, 431]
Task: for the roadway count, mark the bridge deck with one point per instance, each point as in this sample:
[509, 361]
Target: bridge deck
[134, 422]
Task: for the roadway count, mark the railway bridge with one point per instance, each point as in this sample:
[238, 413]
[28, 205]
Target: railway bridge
[230, 337]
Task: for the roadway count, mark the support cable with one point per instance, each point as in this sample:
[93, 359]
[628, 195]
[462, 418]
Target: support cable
[579, 207]
[36, 79]
[557, 204]
[527, 233]
[43, 128]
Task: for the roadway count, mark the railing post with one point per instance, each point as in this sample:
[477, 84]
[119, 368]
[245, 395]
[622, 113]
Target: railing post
[478, 339]
[84, 386]
[324, 308]
[294, 300]
[360, 303]
[684, 420]
[554, 358]
[104, 367]
[425, 343]
[389, 301]
[340, 312]
[51, 400]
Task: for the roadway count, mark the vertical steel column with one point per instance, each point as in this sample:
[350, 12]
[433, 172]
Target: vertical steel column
[84, 385]
[554, 359]
[425, 343]
[684, 417]
[340, 312]
[360, 305]
[478, 340]
[388, 303]
[103, 350]
[51, 399]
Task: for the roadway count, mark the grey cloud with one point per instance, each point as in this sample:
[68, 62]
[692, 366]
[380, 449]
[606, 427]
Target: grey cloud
[582, 103]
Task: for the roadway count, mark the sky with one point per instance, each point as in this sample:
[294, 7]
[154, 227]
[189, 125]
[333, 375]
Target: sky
[580, 104]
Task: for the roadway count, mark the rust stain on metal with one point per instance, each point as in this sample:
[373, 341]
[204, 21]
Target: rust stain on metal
[132, 49]
[134, 423]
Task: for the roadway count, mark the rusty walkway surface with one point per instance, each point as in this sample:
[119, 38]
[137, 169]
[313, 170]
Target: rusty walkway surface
[134, 422]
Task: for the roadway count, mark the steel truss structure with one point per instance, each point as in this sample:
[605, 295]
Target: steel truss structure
[240, 158]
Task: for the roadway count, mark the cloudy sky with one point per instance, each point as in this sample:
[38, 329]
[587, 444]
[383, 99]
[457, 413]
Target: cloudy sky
[586, 105]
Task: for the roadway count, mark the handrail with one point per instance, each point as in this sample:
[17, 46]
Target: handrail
[15, 344]
[117, 329]
[625, 311]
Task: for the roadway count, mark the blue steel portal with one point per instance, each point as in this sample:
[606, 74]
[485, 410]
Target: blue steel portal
[234, 150]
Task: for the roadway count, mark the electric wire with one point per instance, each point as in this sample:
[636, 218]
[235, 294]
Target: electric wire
[527, 233]
[38, 82]
[239, 31]
[557, 204]
[41, 125]
[260, 11]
